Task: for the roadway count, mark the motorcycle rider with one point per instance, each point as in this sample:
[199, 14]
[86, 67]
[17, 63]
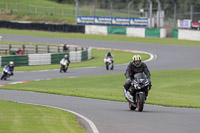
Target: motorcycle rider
[109, 55]
[136, 66]
[11, 67]
[64, 59]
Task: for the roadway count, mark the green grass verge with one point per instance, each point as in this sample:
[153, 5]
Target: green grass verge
[97, 60]
[168, 41]
[178, 88]
[23, 118]
[37, 11]
[38, 3]
[51, 11]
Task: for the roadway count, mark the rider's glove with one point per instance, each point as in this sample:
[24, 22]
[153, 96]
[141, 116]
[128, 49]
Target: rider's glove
[150, 85]
[128, 80]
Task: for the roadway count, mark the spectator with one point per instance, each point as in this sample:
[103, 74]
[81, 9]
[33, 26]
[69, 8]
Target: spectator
[65, 48]
[20, 52]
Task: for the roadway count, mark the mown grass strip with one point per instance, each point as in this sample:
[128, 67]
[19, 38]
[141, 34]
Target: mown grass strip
[168, 41]
[23, 118]
[178, 88]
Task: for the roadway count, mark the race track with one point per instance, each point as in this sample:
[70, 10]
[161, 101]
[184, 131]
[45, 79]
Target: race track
[108, 116]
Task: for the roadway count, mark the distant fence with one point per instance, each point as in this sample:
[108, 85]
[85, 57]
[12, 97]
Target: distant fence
[7, 49]
[45, 59]
[43, 26]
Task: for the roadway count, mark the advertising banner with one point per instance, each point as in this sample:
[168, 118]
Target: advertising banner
[138, 22]
[186, 23]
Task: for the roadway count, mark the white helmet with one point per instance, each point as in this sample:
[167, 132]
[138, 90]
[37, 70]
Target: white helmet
[66, 56]
[137, 60]
[11, 63]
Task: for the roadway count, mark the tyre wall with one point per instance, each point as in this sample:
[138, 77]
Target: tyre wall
[43, 26]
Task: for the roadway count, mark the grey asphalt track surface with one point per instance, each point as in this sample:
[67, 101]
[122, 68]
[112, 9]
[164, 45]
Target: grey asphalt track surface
[109, 116]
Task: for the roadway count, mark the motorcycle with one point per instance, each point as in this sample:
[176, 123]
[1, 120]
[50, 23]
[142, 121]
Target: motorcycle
[64, 65]
[138, 92]
[6, 73]
[109, 63]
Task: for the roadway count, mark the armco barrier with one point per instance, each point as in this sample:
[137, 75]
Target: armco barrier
[18, 60]
[117, 30]
[43, 26]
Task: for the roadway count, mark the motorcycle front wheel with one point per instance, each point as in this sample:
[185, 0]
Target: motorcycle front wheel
[140, 102]
[107, 66]
[3, 77]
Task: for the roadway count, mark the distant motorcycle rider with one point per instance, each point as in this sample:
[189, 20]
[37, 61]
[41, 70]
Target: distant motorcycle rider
[11, 67]
[64, 59]
[137, 66]
[109, 55]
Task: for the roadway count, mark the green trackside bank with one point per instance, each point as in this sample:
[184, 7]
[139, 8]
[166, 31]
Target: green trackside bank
[23, 118]
[170, 88]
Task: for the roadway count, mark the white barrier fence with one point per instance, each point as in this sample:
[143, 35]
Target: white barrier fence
[39, 59]
[130, 31]
[135, 32]
[189, 35]
[96, 30]
[75, 56]
[45, 59]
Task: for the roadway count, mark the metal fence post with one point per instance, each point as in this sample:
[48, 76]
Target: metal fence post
[36, 48]
[191, 11]
[6, 7]
[174, 13]
[95, 7]
[48, 49]
[129, 4]
[77, 8]
[159, 9]
[10, 46]
[111, 8]
[150, 12]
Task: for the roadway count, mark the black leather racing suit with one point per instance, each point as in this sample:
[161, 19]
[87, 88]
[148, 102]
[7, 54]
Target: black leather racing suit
[132, 70]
